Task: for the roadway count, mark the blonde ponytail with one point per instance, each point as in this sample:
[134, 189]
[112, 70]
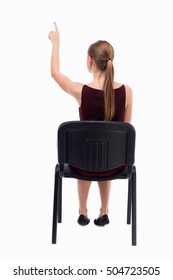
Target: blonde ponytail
[109, 95]
[103, 54]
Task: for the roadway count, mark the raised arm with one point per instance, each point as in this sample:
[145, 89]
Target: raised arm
[73, 88]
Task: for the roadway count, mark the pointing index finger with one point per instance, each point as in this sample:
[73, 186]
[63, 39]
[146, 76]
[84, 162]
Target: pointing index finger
[56, 27]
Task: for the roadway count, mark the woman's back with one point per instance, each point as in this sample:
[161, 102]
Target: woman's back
[92, 104]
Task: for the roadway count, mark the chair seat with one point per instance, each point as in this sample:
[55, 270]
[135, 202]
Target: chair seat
[67, 171]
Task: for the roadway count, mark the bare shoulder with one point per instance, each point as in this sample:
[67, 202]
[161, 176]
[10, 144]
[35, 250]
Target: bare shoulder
[127, 88]
[117, 85]
[128, 95]
[75, 89]
[128, 91]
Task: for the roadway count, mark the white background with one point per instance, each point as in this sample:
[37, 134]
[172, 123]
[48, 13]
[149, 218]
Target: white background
[32, 106]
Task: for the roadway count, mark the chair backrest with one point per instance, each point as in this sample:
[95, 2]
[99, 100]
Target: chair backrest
[96, 145]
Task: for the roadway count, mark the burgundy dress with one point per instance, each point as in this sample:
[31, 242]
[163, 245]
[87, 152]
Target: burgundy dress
[92, 109]
[92, 104]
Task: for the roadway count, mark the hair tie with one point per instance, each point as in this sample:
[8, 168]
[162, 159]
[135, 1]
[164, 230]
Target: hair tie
[108, 59]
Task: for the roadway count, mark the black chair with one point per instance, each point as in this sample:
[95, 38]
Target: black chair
[95, 146]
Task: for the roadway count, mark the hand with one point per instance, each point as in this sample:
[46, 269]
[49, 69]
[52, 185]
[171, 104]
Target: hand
[54, 36]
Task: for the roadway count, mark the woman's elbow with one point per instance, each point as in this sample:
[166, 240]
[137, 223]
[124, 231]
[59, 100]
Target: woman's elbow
[53, 75]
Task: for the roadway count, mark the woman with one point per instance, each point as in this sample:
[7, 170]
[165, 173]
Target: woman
[102, 99]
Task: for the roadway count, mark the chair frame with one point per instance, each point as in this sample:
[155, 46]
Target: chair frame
[63, 170]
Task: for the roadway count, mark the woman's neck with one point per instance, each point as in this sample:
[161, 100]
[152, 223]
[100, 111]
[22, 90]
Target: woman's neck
[98, 80]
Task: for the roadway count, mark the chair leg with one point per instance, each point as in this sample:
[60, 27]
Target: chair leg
[55, 208]
[60, 200]
[134, 214]
[129, 201]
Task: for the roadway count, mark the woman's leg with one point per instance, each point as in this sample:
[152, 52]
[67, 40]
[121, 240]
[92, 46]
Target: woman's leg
[83, 191]
[104, 188]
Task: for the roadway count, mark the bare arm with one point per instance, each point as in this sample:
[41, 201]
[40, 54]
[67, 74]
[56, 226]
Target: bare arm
[73, 88]
[128, 109]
